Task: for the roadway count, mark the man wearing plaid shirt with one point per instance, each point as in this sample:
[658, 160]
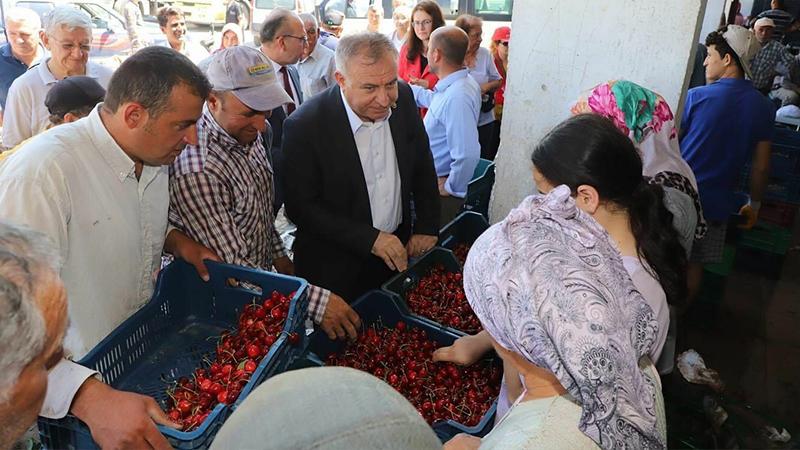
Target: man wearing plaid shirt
[772, 53]
[221, 188]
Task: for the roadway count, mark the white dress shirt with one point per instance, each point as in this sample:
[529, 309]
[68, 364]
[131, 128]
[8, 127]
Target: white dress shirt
[317, 71]
[379, 163]
[25, 114]
[277, 67]
[76, 185]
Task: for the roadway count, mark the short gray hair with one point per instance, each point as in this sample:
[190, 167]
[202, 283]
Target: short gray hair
[69, 18]
[371, 45]
[309, 18]
[24, 256]
[24, 15]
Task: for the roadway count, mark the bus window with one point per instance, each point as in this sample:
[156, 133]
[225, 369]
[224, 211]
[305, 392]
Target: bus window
[494, 7]
[272, 4]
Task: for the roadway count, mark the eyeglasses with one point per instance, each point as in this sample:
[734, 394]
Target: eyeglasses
[302, 38]
[69, 47]
[422, 23]
[503, 43]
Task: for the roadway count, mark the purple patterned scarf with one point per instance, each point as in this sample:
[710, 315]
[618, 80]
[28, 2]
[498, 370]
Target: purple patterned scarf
[548, 284]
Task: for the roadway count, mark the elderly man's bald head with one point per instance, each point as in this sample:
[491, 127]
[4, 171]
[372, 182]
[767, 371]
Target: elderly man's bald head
[452, 42]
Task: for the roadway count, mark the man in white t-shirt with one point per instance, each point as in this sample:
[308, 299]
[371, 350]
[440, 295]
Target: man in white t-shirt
[68, 37]
[98, 188]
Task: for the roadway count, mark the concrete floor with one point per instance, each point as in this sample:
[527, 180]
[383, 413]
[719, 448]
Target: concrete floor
[752, 338]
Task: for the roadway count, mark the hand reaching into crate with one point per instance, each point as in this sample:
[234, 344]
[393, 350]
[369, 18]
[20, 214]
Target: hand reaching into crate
[466, 350]
[389, 248]
[119, 419]
[339, 320]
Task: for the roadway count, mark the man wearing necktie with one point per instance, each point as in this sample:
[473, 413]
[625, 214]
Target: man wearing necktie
[283, 39]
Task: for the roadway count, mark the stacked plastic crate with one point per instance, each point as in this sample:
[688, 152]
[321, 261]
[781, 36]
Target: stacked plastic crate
[763, 249]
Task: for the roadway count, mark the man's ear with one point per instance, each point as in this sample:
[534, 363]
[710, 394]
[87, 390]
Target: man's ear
[340, 79]
[728, 60]
[45, 39]
[134, 115]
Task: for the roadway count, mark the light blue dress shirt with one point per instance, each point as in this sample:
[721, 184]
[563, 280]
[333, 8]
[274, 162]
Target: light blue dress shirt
[452, 126]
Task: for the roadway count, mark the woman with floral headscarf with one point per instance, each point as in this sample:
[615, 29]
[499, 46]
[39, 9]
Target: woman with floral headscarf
[646, 118]
[571, 289]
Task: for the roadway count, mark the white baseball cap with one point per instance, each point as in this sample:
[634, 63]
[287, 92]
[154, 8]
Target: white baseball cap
[764, 22]
[744, 43]
[248, 75]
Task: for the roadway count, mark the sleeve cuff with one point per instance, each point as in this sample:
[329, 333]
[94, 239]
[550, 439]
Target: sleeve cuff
[449, 189]
[63, 383]
[317, 302]
[170, 227]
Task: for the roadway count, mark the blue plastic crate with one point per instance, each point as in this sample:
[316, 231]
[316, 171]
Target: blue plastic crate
[405, 281]
[479, 190]
[464, 229]
[167, 339]
[378, 306]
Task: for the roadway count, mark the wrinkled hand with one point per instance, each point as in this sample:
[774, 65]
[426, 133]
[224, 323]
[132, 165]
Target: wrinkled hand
[182, 246]
[389, 248]
[120, 420]
[419, 244]
[284, 265]
[465, 351]
[340, 320]
[463, 441]
[419, 82]
[750, 215]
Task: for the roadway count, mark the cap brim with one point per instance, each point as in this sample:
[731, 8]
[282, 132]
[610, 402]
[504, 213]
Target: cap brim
[263, 98]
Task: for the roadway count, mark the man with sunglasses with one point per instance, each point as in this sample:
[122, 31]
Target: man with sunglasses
[283, 40]
[68, 38]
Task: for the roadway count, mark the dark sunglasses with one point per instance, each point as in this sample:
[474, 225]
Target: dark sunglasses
[505, 44]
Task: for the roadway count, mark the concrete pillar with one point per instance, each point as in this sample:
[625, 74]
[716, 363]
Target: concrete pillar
[559, 49]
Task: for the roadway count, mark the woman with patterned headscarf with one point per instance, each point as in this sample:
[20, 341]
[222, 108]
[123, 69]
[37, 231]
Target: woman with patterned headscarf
[571, 289]
[646, 118]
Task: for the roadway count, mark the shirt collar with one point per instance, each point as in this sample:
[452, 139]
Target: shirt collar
[277, 67]
[447, 81]
[6, 51]
[48, 77]
[314, 55]
[352, 117]
[122, 165]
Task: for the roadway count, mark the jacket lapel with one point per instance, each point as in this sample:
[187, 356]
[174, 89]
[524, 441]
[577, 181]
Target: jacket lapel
[296, 81]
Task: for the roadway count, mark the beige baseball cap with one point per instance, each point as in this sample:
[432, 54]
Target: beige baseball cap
[744, 43]
[249, 75]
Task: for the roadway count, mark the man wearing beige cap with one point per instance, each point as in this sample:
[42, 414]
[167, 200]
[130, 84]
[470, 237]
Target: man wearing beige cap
[221, 188]
[724, 125]
[773, 59]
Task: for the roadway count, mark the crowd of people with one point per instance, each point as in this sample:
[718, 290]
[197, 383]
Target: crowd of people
[369, 147]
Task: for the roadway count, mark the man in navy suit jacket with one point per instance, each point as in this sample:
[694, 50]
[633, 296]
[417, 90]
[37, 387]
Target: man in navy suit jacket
[283, 39]
[356, 154]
